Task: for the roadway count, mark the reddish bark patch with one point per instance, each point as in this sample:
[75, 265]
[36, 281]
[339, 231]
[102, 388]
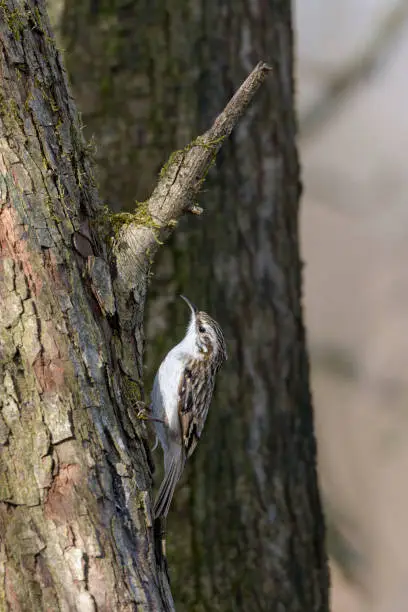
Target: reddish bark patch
[49, 372]
[61, 503]
[11, 595]
[13, 244]
[98, 586]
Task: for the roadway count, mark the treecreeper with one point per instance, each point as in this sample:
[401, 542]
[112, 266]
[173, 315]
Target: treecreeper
[181, 396]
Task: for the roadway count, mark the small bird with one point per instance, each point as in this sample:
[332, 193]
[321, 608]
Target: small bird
[181, 396]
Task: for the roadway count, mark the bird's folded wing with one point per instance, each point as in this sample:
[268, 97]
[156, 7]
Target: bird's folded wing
[187, 413]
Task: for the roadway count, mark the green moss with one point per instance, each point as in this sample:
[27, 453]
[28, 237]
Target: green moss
[141, 216]
[9, 111]
[17, 21]
[119, 220]
[13, 19]
[200, 142]
[132, 391]
[53, 105]
[28, 100]
[36, 16]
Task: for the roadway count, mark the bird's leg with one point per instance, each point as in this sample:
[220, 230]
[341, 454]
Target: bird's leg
[143, 412]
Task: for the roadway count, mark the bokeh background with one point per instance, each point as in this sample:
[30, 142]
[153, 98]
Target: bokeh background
[352, 90]
[352, 101]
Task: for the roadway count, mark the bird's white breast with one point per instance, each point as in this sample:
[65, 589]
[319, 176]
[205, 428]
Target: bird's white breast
[168, 382]
[166, 386]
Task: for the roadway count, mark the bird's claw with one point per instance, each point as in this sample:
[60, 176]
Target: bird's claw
[142, 413]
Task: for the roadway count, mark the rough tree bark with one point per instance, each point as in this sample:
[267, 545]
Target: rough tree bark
[246, 531]
[75, 484]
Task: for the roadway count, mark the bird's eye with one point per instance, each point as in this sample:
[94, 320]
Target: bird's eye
[201, 329]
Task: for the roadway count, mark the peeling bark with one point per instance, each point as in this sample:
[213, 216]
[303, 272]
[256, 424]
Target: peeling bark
[75, 483]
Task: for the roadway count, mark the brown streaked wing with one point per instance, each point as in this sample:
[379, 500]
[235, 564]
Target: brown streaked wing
[186, 413]
[195, 394]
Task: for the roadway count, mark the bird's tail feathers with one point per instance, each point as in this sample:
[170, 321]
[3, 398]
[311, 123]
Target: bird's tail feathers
[170, 480]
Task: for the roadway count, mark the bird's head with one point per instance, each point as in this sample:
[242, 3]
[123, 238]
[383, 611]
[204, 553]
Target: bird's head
[207, 333]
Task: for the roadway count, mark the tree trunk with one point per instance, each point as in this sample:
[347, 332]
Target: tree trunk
[75, 488]
[246, 531]
[75, 518]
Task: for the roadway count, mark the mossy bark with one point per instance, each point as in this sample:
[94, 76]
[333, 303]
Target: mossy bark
[246, 531]
[75, 483]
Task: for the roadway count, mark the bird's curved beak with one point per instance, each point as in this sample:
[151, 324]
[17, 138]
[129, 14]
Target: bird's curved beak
[193, 308]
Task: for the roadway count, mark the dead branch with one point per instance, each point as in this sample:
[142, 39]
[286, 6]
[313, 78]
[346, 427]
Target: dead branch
[140, 234]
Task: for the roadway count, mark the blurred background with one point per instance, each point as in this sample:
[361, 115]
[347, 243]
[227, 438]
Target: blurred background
[352, 100]
[352, 86]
